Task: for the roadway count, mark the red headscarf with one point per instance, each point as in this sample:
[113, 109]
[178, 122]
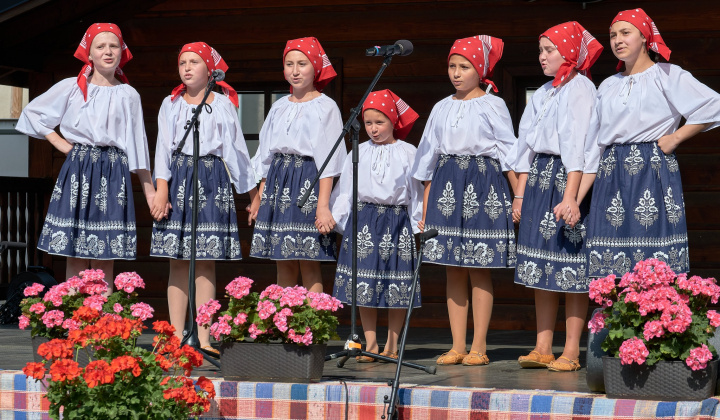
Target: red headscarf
[483, 51]
[213, 61]
[639, 19]
[310, 46]
[400, 114]
[83, 53]
[576, 45]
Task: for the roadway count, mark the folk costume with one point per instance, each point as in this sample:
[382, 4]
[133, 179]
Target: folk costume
[638, 210]
[91, 214]
[463, 152]
[389, 209]
[223, 162]
[551, 143]
[295, 140]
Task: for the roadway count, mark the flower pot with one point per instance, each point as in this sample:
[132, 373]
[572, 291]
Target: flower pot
[273, 362]
[81, 355]
[664, 381]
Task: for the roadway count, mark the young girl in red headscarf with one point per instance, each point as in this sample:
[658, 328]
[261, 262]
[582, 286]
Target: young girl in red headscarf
[389, 210]
[461, 158]
[224, 162]
[91, 215]
[637, 209]
[296, 138]
[549, 159]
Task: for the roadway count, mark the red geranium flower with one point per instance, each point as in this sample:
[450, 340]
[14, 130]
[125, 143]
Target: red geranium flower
[64, 370]
[98, 372]
[35, 370]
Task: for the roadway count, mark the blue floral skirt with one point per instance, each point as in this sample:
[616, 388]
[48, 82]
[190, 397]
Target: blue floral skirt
[217, 228]
[550, 254]
[284, 231]
[637, 211]
[91, 213]
[469, 204]
[385, 259]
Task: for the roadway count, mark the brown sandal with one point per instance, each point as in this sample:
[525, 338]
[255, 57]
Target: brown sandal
[450, 358]
[563, 364]
[365, 359]
[535, 360]
[211, 351]
[474, 358]
[390, 354]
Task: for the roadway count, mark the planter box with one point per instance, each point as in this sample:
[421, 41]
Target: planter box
[274, 362]
[664, 381]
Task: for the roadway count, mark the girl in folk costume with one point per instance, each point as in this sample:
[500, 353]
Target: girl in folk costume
[389, 210]
[224, 161]
[91, 216]
[461, 158]
[295, 140]
[549, 160]
[638, 210]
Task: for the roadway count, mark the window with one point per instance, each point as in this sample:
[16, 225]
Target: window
[253, 107]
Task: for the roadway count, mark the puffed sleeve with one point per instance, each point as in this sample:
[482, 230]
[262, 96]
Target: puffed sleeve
[574, 113]
[693, 100]
[135, 136]
[166, 133]
[428, 150]
[593, 151]
[415, 190]
[44, 113]
[261, 160]
[331, 124]
[341, 197]
[501, 123]
[234, 149]
[520, 155]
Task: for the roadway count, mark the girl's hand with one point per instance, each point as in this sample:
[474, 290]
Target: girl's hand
[324, 221]
[668, 143]
[252, 210]
[160, 207]
[569, 211]
[421, 225]
[516, 209]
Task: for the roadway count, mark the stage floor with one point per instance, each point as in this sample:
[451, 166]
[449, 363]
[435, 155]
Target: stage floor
[424, 346]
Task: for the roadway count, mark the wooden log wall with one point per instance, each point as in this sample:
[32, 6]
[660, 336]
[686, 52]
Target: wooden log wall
[251, 34]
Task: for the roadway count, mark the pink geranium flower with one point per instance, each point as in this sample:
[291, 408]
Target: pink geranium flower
[129, 282]
[597, 323]
[37, 308]
[34, 289]
[265, 308]
[206, 312]
[143, 311]
[239, 287]
[23, 322]
[653, 329]
[95, 302]
[699, 357]
[633, 351]
[714, 318]
[53, 318]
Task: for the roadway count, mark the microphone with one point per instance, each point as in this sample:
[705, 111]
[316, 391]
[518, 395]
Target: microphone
[428, 235]
[402, 47]
[218, 75]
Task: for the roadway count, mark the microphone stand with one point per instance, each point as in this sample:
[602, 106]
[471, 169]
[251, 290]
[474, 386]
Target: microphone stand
[392, 400]
[353, 346]
[190, 335]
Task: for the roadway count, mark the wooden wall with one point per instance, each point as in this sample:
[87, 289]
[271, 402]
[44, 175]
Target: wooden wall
[251, 34]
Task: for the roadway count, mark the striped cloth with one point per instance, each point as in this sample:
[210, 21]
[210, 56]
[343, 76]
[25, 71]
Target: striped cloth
[21, 398]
